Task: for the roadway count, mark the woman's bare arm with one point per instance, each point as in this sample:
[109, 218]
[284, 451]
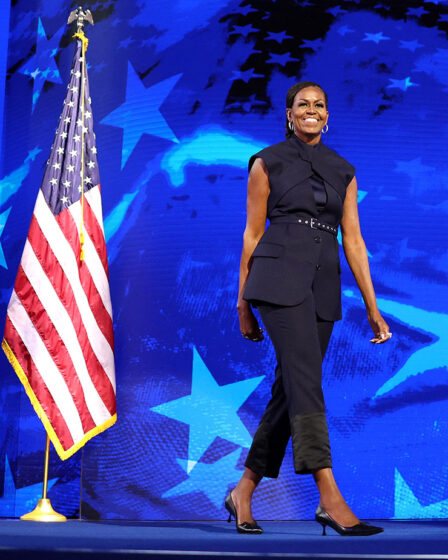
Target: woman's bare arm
[356, 254]
[257, 201]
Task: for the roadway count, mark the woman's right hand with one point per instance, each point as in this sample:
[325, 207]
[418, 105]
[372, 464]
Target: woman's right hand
[248, 322]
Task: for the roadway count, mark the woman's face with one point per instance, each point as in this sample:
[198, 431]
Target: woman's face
[308, 114]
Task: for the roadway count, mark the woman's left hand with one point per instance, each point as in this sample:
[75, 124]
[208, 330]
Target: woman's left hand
[380, 328]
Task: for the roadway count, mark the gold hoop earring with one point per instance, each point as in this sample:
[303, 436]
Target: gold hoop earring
[290, 126]
[325, 131]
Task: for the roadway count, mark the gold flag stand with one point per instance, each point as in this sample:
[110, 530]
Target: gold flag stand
[44, 510]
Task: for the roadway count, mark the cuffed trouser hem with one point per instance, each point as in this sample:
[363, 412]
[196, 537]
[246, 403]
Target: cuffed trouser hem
[310, 442]
[267, 450]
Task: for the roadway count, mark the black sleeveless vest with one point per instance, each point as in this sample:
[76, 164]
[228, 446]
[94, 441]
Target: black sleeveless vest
[291, 162]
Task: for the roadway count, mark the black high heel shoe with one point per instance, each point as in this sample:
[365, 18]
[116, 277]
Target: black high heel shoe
[246, 527]
[359, 530]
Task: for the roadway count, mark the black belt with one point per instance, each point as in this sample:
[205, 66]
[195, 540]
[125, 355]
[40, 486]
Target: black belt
[313, 223]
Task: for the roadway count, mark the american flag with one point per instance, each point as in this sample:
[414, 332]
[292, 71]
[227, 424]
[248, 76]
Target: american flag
[58, 332]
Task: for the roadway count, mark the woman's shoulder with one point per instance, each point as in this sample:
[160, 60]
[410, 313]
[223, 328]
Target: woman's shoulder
[271, 153]
[335, 158]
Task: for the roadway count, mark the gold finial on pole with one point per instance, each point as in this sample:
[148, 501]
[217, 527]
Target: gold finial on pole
[44, 510]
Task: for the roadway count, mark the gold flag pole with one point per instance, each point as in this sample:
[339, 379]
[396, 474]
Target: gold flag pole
[44, 510]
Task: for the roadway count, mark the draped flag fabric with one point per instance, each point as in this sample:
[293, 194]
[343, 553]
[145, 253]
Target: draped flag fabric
[58, 332]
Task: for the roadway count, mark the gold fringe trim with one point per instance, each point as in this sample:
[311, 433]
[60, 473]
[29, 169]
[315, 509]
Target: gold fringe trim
[63, 454]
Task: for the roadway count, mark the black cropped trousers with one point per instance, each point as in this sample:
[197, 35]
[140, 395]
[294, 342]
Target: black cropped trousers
[297, 406]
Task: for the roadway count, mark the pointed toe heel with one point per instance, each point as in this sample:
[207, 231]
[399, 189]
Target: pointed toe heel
[245, 527]
[359, 530]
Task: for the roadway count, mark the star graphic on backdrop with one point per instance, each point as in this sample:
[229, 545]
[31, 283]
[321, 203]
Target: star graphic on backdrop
[11, 183]
[3, 217]
[417, 12]
[244, 10]
[430, 357]
[23, 499]
[344, 29]
[279, 37]
[212, 479]
[375, 37]
[336, 11]
[311, 44]
[139, 114]
[413, 167]
[407, 505]
[410, 45]
[245, 75]
[403, 84]
[443, 17]
[244, 30]
[281, 59]
[210, 410]
[42, 66]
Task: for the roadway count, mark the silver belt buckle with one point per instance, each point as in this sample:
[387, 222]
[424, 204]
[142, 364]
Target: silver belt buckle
[312, 222]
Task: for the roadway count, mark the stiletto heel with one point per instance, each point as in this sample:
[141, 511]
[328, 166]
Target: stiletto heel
[359, 530]
[246, 527]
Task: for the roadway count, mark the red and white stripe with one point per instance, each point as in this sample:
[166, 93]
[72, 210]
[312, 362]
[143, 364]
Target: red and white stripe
[59, 323]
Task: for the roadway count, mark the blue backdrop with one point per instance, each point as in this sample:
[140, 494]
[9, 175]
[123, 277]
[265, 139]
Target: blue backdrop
[183, 92]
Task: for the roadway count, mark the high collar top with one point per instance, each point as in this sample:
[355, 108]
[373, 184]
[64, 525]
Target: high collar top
[293, 161]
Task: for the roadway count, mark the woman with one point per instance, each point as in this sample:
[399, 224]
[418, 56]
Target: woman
[291, 273]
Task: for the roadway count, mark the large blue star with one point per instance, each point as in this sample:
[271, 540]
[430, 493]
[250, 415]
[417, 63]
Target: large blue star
[21, 499]
[42, 66]
[212, 479]
[210, 410]
[408, 507]
[140, 114]
[431, 356]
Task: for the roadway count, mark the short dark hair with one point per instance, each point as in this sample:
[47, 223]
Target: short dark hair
[293, 91]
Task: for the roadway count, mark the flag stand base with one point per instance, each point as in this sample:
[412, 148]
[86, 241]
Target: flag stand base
[43, 512]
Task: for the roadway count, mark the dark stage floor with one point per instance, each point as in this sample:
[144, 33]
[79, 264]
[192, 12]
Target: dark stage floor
[215, 539]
